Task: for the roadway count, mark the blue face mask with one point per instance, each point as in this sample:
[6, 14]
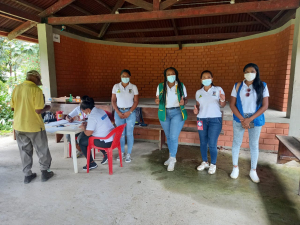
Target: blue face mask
[206, 82]
[125, 80]
[171, 78]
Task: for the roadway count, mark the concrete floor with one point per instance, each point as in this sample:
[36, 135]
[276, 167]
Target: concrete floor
[143, 192]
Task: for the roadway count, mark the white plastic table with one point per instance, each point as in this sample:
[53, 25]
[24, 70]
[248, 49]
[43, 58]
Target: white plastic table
[72, 130]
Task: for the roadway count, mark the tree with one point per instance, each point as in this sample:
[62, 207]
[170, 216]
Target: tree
[16, 53]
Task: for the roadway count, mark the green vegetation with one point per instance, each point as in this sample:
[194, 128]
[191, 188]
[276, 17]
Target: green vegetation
[16, 58]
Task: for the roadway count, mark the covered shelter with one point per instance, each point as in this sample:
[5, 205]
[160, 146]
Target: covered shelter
[85, 44]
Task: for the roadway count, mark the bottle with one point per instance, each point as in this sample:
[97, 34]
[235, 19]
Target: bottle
[71, 98]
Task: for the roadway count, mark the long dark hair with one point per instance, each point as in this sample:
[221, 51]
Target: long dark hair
[88, 103]
[207, 71]
[257, 83]
[165, 84]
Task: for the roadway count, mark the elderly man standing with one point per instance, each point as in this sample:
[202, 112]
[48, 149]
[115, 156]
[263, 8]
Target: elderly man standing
[28, 104]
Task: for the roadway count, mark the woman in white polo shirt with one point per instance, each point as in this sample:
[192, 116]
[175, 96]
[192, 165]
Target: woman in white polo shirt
[209, 119]
[98, 125]
[249, 101]
[171, 97]
[124, 101]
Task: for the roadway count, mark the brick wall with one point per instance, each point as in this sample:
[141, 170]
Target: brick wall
[93, 69]
[267, 139]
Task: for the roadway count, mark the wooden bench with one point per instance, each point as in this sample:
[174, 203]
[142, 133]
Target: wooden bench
[151, 118]
[162, 137]
[289, 149]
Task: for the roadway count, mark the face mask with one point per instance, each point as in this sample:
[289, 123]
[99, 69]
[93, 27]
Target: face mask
[250, 76]
[125, 80]
[171, 78]
[206, 82]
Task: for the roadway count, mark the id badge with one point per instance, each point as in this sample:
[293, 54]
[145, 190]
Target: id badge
[200, 125]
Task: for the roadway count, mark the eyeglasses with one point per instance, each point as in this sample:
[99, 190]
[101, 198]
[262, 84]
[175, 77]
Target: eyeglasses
[248, 92]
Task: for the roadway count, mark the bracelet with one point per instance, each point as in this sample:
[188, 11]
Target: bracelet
[130, 112]
[222, 100]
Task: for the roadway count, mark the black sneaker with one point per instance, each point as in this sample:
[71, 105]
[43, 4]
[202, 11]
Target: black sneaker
[105, 159]
[46, 175]
[93, 165]
[28, 179]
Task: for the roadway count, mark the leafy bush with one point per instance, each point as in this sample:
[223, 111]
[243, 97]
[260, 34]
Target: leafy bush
[5, 111]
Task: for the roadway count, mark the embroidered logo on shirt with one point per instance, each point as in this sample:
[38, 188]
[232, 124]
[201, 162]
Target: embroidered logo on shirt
[118, 91]
[200, 96]
[103, 117]
[214, 93]
[79, 114]
[130, 91]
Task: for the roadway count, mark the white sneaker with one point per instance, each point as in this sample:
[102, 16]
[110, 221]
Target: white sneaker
[212, 169]
[235, 173]
[167, 162]
[123, 156]
[253, 176]
[204, 165]
[171, 164]
[128, 159]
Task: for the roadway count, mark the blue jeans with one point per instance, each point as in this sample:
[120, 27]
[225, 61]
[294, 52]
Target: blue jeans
[128, 130]
[209, 137]
[172, 127]
[238, 134]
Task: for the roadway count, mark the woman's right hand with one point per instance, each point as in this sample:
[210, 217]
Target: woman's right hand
[196, 111]
[121, 115]
[157, 101]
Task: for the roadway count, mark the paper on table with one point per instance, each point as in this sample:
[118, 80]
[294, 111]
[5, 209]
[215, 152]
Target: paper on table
[57, 123]
[62, 122]
[69, 128]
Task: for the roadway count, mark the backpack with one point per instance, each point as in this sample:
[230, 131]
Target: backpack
[139, 121]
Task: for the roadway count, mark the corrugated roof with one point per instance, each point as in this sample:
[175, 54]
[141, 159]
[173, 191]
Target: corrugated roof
[161, 28]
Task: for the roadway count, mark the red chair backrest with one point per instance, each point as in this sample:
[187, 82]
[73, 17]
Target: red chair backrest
[110, 116]
[117, 132]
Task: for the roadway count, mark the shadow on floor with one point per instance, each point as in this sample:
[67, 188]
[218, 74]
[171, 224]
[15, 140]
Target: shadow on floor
[276, 194]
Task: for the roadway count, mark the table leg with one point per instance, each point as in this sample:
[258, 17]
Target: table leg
[66, 146]
[74, 152]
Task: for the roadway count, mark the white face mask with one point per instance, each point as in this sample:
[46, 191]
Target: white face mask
[250, 76]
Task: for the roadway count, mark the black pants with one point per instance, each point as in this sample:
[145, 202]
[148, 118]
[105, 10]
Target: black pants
[83, 141]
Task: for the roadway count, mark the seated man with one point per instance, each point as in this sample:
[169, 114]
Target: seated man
[78, 115]
[98, 125]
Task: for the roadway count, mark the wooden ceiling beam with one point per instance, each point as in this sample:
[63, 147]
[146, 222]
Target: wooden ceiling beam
[176, 33]
[156, 4]
[55, 7]
[28, 5]
[105, 26]
[141, 3]
[219, 36]
[261, 6]
[183, 28]
[262, 19]
[104, 5]
[18, 13]
[12, 18]
[21, 29]
[168, 3]
[80, 9]
[39, 10]
[277, 16]
[287, 16]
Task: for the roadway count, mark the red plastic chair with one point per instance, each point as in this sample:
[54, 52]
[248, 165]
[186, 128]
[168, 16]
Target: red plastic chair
[112, 119]
[115, 144]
